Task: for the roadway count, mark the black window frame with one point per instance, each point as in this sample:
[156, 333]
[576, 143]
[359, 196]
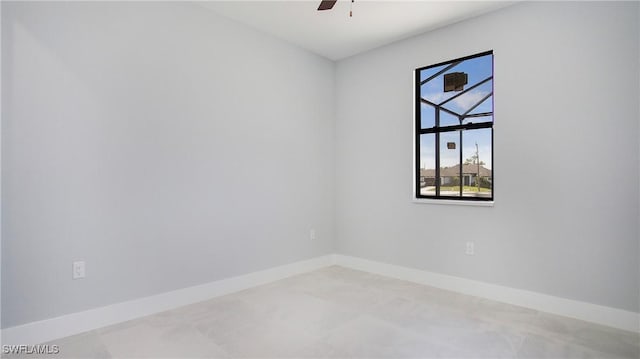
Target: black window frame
[437, 130]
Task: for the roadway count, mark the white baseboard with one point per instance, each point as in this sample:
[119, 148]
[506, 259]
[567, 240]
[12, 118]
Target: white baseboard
[75, 323]
[594, 313]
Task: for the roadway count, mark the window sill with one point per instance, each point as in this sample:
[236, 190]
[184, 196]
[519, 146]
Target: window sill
[453, 202]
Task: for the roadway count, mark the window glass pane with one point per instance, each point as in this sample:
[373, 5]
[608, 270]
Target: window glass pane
[427, 116]
[485, 107]
[427, 164]
[468, 100]
[477, 69]
[426, 73]
[476, 154]
[447, 119]
[450, 163]
[433, 90]
[485, 110]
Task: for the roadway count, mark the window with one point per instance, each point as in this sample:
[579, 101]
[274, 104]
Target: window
[454, 129]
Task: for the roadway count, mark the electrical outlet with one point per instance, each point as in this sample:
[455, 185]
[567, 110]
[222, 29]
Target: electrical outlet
[312, 234]
[78, 270]
[470, 249]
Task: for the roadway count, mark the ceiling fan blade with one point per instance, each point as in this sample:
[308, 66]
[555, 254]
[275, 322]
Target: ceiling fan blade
[326, 4]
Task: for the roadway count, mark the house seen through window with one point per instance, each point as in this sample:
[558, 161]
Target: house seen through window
[454, 129]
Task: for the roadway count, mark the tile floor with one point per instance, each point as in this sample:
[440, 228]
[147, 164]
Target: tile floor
[342, 313]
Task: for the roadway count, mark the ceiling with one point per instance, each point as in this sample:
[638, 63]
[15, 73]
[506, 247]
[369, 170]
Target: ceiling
[335, 35]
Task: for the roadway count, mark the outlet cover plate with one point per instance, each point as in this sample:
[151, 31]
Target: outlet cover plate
[78, 270]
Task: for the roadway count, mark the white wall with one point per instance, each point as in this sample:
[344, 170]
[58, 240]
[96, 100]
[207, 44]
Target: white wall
[162, 144]
[566, 119]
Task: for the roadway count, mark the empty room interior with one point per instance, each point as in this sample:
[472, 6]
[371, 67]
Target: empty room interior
[320, 179]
